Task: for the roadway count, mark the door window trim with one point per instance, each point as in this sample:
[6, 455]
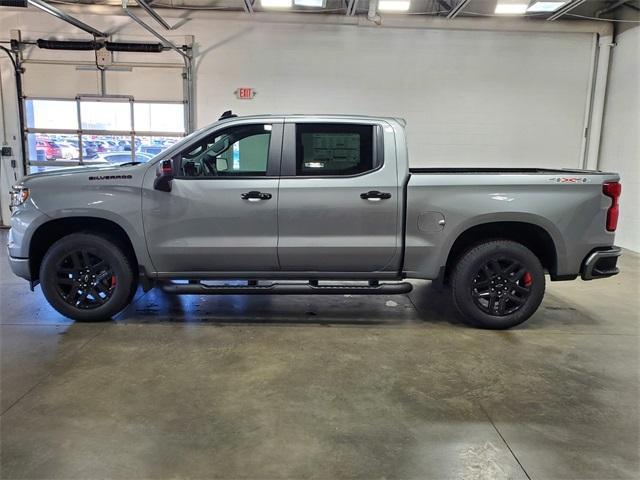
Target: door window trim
[288, 161]
[273, 159]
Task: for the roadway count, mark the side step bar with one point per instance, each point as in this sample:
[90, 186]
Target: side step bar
[287, 289]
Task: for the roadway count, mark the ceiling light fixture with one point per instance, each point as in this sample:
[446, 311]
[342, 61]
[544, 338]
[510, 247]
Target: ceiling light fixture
[276, 3]
[504, 8]
[537, 6]
[394, 5]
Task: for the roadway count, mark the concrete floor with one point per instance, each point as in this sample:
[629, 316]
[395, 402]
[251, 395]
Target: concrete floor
[322, 387]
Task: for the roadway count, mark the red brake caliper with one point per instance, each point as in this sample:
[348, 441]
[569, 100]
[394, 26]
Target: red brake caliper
[113, 281]
[527, 279]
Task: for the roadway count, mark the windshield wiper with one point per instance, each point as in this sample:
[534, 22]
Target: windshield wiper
[126, 164]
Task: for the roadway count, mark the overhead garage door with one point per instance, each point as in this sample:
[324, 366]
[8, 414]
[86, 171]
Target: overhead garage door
[71, 122]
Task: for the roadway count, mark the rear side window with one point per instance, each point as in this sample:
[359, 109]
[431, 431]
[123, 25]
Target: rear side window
[333, 149]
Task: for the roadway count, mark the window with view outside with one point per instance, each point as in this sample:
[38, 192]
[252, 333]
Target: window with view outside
[239, 151]
[96, 115]
[158, 117]
[50, 144]
[333, 149]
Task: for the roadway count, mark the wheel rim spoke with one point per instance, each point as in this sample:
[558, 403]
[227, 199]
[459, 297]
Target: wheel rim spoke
[75, 259]
[83, 279]
[497, 288]
[495, 267]
[85, 258]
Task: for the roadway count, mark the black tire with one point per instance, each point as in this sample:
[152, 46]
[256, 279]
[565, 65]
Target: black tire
[504, 274]
[87, 277]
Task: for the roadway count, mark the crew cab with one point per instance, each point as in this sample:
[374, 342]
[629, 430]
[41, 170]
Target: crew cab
[309, 204]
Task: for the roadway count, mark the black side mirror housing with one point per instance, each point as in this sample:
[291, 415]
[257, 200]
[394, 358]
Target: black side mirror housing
[164, 176]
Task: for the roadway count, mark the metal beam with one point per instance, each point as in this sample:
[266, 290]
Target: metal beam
[610, 8]
[153, 14]
[56, 12]
[352, 7]
[248, 6]
[567, 8]
[453, 13]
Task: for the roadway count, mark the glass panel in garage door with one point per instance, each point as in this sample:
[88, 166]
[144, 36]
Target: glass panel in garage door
[98, 115]
[159, 117]
[99, 147]
[51, 114]
[50, 151]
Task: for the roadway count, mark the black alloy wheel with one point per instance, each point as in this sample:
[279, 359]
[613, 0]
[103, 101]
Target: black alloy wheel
[501, 286]
[88, 277]
[84, 279]
[497, 284]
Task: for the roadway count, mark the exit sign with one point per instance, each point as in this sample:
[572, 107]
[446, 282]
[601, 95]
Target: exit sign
[245, 93]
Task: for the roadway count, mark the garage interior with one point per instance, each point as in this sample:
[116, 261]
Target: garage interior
[338, 386]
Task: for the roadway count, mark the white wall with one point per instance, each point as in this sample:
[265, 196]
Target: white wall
[620, 150]
[470, 97]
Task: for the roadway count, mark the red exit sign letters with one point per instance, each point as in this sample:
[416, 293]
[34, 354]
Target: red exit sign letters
[245, 93]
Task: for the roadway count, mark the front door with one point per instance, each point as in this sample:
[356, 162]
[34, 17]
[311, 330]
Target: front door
[221, 213]
[339, 199]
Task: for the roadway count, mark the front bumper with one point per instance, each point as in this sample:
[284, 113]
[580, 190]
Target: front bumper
[601, 263]
[20, 267]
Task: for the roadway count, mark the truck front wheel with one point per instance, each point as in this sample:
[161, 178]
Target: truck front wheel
[497, 284]
[86, 277]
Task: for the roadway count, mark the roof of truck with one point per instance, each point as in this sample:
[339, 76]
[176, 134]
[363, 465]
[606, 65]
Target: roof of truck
[400, 120]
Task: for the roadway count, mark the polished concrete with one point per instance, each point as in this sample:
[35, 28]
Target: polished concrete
[322, 387]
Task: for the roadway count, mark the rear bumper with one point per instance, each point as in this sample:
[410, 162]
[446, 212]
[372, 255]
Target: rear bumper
[20, 267]
[601, 263]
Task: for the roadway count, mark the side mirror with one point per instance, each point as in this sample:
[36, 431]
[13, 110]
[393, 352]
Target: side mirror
[164, 176]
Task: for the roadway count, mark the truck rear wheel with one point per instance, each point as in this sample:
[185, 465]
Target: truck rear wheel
[86, 277]
[497, 284]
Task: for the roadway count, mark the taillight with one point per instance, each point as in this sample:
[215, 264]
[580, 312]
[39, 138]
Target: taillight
[613, 191]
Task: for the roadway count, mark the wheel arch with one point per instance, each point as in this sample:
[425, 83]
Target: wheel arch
[55, 229]
[533, 236]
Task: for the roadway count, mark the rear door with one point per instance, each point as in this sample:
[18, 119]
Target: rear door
[338, 206]
[221, 213]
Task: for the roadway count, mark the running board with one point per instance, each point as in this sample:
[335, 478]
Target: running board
[287, 289]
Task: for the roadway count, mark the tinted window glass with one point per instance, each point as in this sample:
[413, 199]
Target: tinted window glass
[333, 149]
[238, 151]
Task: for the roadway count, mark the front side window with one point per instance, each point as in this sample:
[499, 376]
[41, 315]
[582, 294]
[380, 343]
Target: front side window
[333, 149]
[237, 151]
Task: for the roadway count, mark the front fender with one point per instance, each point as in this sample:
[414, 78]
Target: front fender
[130, 222]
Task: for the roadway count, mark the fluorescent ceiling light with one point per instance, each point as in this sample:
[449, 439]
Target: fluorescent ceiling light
[276, 3]
[310, 3]
[545, 6]
[511, 8]
[394, 5]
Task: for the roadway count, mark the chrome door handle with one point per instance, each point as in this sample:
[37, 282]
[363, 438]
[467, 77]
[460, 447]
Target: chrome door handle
[375, 196]
[255, 196]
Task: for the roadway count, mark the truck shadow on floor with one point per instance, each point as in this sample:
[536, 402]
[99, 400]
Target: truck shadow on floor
[423, 306]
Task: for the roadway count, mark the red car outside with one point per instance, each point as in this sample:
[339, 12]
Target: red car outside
[51, 150]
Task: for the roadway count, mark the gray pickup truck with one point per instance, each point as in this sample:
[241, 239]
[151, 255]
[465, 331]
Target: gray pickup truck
[309, 204]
